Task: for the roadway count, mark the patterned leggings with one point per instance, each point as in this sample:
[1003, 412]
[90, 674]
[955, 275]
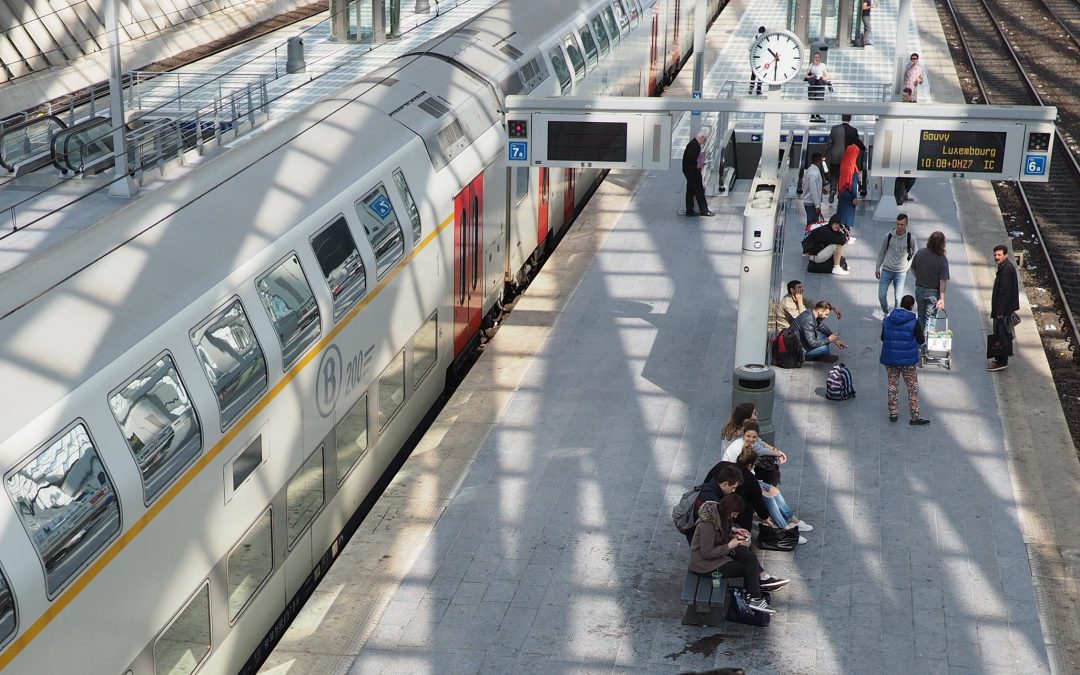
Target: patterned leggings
[911, 379]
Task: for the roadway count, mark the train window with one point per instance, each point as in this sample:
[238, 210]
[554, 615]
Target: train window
[612, 27]
[410, 204]
[391, 389]
[8, 617]
[476, 241]
[341, 265]
[601, 34]
[383, 230]
[352, 438]
[185, 643]
[425, 349]
[67, 503]
[521, 183]
[620, 15]
[631, 5]
[287, 298]
[246, 461]
[575, 55]
[561, 71]
[250, 564]
[159, 424]
[464, 257]
[304, 496]
[232, 360]
[588, 44]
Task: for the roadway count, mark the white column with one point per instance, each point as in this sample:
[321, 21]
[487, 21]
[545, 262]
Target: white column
[124, 186]
[700, 22]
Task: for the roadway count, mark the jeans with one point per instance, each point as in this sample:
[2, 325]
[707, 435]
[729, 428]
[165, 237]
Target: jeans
[926, 304]
[894, 279]
[817, 352]
[778, 507]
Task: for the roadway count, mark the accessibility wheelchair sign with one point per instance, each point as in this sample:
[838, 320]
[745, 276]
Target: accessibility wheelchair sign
[519, 151]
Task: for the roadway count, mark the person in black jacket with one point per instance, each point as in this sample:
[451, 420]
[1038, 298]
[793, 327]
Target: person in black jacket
[827, 242]
[815, 335]
[1004, 301]
[748, 489]
[691, 168]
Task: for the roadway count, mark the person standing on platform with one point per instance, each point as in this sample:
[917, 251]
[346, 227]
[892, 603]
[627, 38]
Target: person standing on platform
[931, 269]
[840, 137]
[817, 78]
[1004, 303]
[913, 77]
[813, 180]
[847, 187]
[755, 84]
[864, 38]
[893, 261]
[693, 160]
[901, 335]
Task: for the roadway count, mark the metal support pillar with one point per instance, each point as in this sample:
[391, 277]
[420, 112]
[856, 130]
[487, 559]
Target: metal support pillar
[339, 20]
[903, 52]
[848, 14]
[378, 21]
[770, 139]
[700, 20]
[422, 7]
[123, 186]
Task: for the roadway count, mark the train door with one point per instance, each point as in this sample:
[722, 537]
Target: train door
[468, 262]
[542, 216]
[569, 198]
[676, 45]
[654, 55]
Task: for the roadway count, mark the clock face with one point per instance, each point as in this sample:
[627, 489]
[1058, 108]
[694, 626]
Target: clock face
[776, 57]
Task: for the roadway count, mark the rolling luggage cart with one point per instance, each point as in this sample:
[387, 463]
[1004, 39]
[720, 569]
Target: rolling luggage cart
[939, 343]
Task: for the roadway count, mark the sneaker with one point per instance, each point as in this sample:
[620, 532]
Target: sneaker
[802, 539]
[995, 366]
[760, 605]
[840, 271]
[817, 118]
[893, 417]
[804, 526]
[919, 422]
[773, 584]
[851, 239]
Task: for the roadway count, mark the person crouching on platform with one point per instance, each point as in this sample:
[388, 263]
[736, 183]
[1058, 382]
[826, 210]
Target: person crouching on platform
[901, 335]
[791, 305]
[721, 549]
[816, 336]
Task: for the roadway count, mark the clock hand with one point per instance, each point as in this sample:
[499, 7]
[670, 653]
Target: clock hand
[775, 55]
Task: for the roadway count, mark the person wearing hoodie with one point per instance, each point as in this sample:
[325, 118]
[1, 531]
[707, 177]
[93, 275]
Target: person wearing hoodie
[901, 335]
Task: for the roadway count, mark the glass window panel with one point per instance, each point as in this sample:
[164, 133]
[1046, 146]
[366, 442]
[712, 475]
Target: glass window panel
[159, 424]
[575, 55]
[232, 360]
[304, 495]
[246, 462]
[186, 642]
[341, 265]
[67, 504]
[7, 610]
[425, 348]
[559, 64]
[352, 438]
[590, 46]
[612, 27]
[382, 228]
[620, 15]
[601, 34]
[391, 389]
[521, 183]
[288, 300]
[410, 204]
[250, 564]
[631, 5]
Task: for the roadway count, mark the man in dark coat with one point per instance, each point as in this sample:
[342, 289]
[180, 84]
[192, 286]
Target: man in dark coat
[1004, 301]
[691, 169]
[840, 137]
[815, 335]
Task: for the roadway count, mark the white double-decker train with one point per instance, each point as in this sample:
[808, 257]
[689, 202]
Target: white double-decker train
[198, 392]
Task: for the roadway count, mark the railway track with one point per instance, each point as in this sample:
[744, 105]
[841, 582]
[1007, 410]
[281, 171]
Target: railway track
[1025, 52]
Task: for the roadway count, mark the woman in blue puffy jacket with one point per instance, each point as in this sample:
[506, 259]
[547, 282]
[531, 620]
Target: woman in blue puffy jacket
[901, 335]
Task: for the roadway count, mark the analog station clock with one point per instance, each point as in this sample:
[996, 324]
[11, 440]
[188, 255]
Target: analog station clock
[776, 57]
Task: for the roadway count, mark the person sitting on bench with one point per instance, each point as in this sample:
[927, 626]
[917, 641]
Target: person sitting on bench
[815, 335]
[721, 550]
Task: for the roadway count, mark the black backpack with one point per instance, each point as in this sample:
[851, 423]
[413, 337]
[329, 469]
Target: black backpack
[787, 349]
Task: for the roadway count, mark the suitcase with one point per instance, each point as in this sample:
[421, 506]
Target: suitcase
[939, 343]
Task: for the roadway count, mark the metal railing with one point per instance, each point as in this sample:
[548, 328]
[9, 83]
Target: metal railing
[28, 142]
[798, 90]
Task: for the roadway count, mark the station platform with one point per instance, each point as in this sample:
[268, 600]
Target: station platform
[530, 530]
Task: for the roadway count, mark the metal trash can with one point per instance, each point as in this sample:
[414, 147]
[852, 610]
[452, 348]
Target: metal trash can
[294, 62]
[756, 383]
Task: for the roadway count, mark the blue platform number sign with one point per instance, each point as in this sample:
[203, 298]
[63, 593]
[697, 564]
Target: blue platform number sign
[381, 206]
[696, 113]
[519, 151]
[1035, 165]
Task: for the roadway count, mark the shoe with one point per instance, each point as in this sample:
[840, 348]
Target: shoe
[760, 605]
[708, 213]
[851, 239]
[691, 214]
[802, 539]
[840, 271]
[995, 366]
[817, 118]
[773, 584]
[908, 199]
[804, 526]
[919, 422]
[830, 198]
[893, 417]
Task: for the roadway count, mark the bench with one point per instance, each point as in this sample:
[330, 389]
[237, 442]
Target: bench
[705, 603]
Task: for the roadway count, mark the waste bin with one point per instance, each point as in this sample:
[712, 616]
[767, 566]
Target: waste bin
[756, 383]
[294, 62]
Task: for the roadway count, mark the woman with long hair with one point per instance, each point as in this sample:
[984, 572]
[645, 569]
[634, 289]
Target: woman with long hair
[735, 430]
[931, 269]
[848, 187]
[780, 514]
[721, 550]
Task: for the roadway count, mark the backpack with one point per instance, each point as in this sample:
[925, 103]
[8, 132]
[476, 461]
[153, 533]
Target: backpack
[682, 514]
[787, 349]
[910, 244]
[839, 386]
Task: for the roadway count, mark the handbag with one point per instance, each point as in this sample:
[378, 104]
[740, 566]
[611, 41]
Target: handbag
[997, 345]
[776, 539]
[768, 469]
[1015, 318]
[738, 609]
